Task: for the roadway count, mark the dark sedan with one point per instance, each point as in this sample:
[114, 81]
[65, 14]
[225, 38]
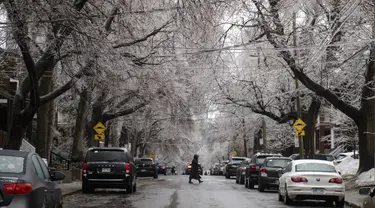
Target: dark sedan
[27, 182]
[231, 168]
[188, 169]
[241, 171]
[146, 167]
[268, 176]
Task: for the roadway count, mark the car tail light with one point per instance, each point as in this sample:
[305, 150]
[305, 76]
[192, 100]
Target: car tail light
[84, 168]
[253, 168]
[127, 168]
[298, 179]
[263, 172]
[19, 188]
[189, 166]
[163, 166]
[336, 180]
[243, 169]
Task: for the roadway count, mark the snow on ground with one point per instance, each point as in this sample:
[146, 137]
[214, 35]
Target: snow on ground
[348, 167]
[366, 178]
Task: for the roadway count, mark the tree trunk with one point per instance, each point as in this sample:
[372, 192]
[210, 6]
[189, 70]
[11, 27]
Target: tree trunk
[43, 118]
[19, 122]
[366, 143]
[108, 133]
[80, 127]
[310, 118]
[51, 128]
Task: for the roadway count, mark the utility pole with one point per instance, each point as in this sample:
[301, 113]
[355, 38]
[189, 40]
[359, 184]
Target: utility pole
[299, 115]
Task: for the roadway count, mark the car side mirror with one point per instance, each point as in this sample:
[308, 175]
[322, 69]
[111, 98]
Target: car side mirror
[364, 191]
[340, 173]
[58, 176]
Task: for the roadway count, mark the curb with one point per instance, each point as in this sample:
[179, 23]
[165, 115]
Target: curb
[72, 193]
[352, 205]
[79, 190]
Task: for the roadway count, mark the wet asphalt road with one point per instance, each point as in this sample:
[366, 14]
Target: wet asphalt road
[175, 192]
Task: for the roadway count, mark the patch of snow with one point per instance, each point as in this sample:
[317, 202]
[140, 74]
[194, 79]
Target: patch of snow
[348, 166]
[366, 178]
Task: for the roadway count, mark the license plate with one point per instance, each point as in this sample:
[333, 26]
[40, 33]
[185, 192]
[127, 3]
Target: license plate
[106, 170]
[143, 170]
[318, 191]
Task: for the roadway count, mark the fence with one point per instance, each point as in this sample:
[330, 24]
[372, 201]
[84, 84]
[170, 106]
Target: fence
[59, 162]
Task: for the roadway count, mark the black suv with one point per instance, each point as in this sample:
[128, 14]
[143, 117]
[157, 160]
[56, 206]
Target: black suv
[269, 177]
[146, 167]
[109, 168]
[252, 170]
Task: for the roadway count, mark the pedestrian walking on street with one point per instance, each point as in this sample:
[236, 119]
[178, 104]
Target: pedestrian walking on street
[194, 174]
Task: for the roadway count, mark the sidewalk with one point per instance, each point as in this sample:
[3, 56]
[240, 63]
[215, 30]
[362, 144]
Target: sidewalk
[353, 199]
[70, 188]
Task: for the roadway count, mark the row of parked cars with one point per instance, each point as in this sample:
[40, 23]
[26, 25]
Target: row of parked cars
[27, 181]
[294, 178]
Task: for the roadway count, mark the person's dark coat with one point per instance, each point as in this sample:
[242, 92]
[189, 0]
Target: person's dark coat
[194, 174]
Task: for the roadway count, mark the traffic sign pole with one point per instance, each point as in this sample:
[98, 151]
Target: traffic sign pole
[300, 138]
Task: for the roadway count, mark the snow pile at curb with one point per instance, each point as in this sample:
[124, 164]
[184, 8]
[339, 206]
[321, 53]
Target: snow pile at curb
[348, 167]
[366, 178]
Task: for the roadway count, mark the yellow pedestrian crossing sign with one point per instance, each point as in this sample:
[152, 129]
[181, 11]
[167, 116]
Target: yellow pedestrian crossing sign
[153, 155]
[99, 128]
[300, 133]
[99, 137]
[234, 154]
[299, 125]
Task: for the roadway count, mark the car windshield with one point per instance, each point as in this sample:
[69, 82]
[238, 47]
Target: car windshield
[277, 163]
[146, 161]
[315, 167]
[235, 162]
[341, 157]
[262, 158]
[106, 155]
[11, 164]
[245, 162]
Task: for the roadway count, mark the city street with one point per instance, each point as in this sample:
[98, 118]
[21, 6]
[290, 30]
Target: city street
[174, 191]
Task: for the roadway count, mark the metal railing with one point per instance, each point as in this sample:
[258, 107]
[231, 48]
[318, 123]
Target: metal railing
[59, 162]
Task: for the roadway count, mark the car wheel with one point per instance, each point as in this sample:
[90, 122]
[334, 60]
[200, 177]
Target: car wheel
[287, 200]
[242, 180]
[340, 203]
[237, 180]
[156, 176]
[246, 183]
[280, 197]
[135, 187]
[260, 186]
[251, 185]
[130, 187]
[227, 176]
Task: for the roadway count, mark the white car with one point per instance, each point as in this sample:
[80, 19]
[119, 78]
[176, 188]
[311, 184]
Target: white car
[344, 155]
[311, 180]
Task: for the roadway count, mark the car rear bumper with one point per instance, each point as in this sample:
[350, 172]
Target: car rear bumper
[106, 183]
[231, 173]
[269, 181]
[146, 173]
[306, 192]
